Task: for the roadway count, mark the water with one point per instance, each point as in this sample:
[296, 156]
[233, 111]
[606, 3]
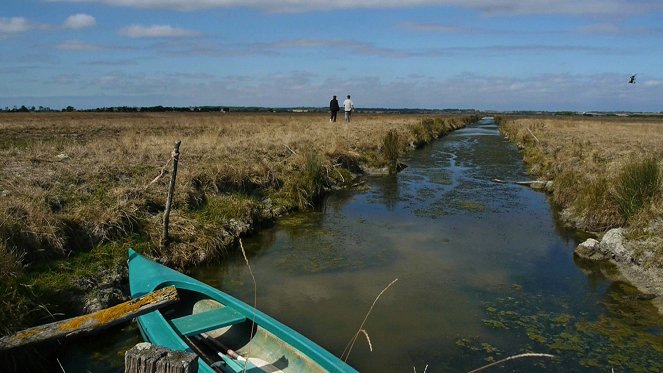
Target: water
[484, 272]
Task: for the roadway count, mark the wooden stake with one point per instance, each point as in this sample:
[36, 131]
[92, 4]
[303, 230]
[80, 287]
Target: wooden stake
[171, 193]
[92, 322]
[147, 358]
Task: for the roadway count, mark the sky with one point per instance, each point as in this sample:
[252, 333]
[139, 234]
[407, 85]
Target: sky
[552, 55]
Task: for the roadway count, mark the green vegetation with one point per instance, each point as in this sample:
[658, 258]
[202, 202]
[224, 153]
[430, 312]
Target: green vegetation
[621, 339]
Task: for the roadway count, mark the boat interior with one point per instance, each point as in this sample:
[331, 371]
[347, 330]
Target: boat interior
[226, 339]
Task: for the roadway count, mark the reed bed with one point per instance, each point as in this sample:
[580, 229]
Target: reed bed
[76, 188]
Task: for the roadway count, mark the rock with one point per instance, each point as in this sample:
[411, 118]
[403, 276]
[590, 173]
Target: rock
[538, 185]
[237, 227]
[107, 288]
[370, 171]
[612, 246]
[589, 249]
[550, 187]
[61, 156]
[104, 298]
[571, 218]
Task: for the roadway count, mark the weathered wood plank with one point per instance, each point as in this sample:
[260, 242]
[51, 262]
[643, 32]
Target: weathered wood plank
[147, 358]
[92, 322]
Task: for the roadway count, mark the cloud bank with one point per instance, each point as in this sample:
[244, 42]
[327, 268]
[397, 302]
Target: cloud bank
[491, 7]
[155, 31]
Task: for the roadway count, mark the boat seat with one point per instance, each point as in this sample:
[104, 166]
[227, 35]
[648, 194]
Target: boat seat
[206, 321]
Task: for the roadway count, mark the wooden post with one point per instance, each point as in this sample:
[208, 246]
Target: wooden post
[147, 358]
[171, 192]
[94, 321]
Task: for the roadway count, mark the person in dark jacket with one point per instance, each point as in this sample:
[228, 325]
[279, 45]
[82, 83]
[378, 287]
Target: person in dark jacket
[334, 108]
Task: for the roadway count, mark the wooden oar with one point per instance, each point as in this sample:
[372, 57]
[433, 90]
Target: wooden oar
[92, 322]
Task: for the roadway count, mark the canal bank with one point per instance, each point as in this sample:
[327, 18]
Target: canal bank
[605, 176]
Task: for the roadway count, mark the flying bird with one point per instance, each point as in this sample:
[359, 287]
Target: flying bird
[632, 79]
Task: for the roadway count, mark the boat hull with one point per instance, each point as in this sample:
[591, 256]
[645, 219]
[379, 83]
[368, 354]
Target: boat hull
[230, 314]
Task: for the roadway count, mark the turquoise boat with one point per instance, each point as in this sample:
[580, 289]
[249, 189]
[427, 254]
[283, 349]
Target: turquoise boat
[227, 334]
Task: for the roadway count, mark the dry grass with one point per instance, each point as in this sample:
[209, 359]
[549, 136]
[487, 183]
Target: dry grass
[73, 182]
[597, 166]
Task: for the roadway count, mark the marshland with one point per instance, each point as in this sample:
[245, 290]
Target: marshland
[486, 269]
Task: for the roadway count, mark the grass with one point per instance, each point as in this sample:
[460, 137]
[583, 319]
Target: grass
[606, 171]
[75, 188]
[637, 185]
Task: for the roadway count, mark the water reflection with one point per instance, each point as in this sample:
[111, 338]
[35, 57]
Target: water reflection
[388, 189]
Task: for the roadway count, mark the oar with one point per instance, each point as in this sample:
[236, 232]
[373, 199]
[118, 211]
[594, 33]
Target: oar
[202, 355]
[255, 361]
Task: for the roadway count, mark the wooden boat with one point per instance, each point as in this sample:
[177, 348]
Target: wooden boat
[227, 334]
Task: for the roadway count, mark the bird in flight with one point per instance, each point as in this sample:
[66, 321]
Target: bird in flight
[632, 79]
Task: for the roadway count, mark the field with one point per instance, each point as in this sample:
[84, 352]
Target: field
[77, 189]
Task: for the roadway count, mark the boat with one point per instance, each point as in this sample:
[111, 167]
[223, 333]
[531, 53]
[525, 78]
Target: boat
[227, 334]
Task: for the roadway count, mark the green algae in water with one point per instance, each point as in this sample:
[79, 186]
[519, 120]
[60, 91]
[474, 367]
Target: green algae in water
[621, 339]
[472, 206]
[327, 250]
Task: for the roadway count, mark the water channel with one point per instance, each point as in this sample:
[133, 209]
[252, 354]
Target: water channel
[484, 272]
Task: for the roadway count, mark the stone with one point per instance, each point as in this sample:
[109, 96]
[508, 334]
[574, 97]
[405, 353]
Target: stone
[612, 246]
[589, 249]
[550, 186]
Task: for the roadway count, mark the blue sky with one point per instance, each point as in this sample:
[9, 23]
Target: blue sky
[436, 54]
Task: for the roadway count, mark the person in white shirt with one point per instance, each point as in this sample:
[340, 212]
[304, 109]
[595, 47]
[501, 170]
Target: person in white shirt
[349, 107]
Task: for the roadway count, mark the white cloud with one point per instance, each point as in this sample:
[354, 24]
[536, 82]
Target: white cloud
[496, 7]
[653, 83]
[155, 31]
[436, 27]
[75, 45]
[79, 21]
[14, 25]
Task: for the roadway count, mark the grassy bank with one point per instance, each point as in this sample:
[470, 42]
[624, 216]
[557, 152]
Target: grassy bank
[606, 172]
[76, 191]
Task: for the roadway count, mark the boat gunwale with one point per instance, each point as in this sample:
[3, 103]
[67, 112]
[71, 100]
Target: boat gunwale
[170, 277]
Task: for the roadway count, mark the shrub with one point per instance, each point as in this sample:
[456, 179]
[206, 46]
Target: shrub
[307, 182]
[636, 185]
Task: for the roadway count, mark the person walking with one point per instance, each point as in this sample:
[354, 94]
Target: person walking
[334, 108]
[349, 107]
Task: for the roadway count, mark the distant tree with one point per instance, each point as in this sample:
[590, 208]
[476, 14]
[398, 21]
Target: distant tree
[69, 109]
[23, 109]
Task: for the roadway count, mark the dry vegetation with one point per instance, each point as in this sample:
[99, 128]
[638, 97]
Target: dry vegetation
[75, 187]
[607, 172]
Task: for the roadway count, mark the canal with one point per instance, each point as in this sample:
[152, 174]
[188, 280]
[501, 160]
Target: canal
[484, 269]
